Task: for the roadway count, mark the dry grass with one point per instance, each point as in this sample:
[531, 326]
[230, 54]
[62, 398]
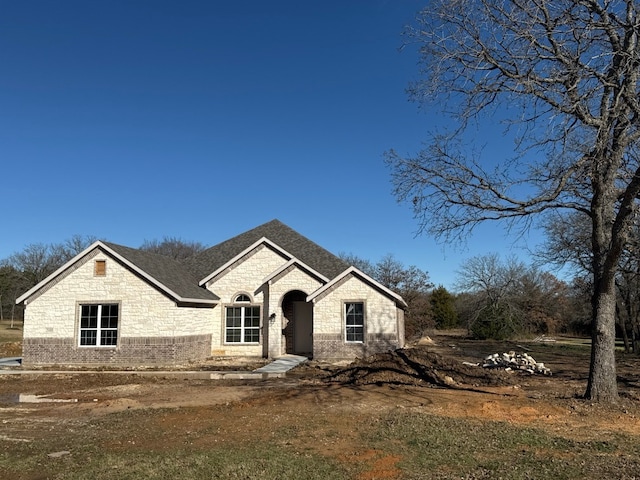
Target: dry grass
[400, 444]
[10, 338]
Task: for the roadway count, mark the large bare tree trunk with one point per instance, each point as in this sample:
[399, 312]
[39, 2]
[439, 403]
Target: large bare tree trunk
[602, 385]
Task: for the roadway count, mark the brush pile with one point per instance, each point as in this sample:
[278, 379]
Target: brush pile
[410, 366]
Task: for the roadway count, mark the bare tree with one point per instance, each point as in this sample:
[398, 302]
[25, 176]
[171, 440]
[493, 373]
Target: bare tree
[8, 276]
[173, 247]
[361, 264]
[36, 261]
[75, 245]
[489, 274]
[510, 298]
[22, 270]
[567, 74]
[568, 242]
[493, 285]
[29, 267]
[544, 301]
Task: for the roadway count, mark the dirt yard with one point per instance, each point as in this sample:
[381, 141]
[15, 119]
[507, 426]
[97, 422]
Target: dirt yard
[319, 410]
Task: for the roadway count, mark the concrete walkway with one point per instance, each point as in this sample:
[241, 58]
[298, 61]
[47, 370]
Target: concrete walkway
[276, 369]
[10, 362]
[282, 364]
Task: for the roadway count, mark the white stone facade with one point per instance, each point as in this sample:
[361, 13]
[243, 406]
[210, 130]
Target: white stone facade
[154, 327]
[380, 311]
[144, 311]
[246, 276]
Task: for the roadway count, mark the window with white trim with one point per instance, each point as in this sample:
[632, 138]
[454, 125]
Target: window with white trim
[242, 324]
[99, 325]
[354, 321]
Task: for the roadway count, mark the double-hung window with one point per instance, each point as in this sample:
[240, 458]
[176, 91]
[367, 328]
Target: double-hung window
[99, 325]
[242, 322]
[354, 321]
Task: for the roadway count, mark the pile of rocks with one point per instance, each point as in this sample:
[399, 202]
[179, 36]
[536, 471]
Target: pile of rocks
[516, 361]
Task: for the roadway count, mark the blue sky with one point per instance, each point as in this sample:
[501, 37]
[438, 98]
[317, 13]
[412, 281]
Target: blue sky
[139, 119]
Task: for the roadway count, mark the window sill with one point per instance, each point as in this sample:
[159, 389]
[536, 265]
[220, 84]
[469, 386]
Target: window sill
[99, 347]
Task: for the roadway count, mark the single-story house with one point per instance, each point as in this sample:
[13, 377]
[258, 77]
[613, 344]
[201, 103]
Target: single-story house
[264, 293]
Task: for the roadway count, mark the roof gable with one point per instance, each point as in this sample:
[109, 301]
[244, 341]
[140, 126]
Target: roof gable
[164, 273]
[295, 263]
[175, 277]
[362, 276]
[229, 265]
[277, 233]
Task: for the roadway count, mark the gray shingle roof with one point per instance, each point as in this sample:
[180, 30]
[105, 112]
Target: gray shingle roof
[167, 271]
[308, 252]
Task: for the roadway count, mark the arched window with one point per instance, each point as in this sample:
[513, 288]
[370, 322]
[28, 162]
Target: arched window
[242, 321]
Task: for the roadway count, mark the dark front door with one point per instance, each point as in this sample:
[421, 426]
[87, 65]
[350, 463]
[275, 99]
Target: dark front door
[303, 328]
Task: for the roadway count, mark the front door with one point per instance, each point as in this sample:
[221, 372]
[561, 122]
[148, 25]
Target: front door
[303, 328]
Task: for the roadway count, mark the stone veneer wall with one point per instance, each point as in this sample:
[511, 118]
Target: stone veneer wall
[152, 329]
[383, 321]
[246, 276]
[131, 351]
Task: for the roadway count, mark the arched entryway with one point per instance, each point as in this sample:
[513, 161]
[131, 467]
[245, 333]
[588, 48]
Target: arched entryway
[298, 316]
